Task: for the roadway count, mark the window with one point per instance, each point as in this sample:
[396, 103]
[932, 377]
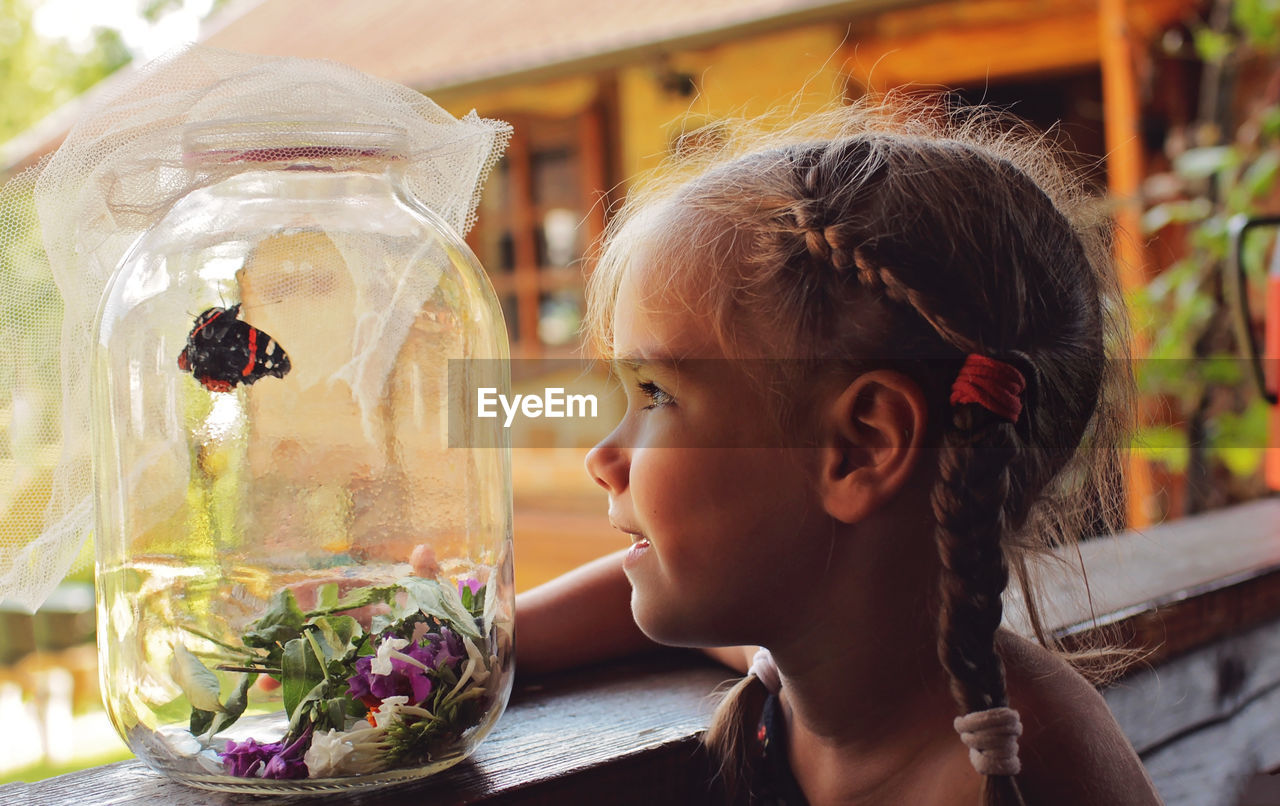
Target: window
[543, 208]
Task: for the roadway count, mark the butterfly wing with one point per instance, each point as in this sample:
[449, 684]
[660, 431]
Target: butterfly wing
[223, 351]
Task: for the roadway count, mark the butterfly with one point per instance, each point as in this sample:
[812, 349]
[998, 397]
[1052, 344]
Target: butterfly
[222, 351]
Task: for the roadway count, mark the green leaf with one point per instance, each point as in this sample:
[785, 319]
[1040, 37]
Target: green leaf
[1271, 122]
[236, 704]
[382, 622]
[282, 621]
[308, 709]
[362, 597]
[332, 714]
[201, 721]
[1183, 211]
[1259, 21]
[1260, 177]
[1164, 444]
[327, 596]
[1242, 462]
[328, 601]
[339, 636]
[195, 679]
[441, 601]
[1239, 439]
[1212, 237]
[1213, 46]
[1204, 162]
[301, 672]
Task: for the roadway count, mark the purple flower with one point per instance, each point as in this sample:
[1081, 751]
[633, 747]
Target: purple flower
[449, 648]
[399, 668]
[358, 683]
[242, 759]
[288, 762]
[282, 767]
[275, 759]
[474, 585]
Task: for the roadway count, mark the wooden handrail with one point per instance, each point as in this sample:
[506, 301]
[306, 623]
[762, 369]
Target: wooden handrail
[1193, 592]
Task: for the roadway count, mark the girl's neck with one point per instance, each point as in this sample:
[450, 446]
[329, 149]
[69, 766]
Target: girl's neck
[867, 702]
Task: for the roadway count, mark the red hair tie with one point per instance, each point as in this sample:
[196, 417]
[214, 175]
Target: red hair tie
[990, 383]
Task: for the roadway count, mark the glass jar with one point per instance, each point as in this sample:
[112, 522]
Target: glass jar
[301, 585]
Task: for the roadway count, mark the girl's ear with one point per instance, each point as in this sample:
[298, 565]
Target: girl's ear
[873, 438]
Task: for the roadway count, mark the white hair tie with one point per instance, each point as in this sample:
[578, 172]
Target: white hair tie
[763, 667]
[992, 739]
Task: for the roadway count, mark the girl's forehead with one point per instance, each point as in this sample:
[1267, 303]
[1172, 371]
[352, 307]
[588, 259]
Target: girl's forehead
[653, 319]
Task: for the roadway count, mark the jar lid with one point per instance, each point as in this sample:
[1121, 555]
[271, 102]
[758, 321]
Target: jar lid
[293, 141]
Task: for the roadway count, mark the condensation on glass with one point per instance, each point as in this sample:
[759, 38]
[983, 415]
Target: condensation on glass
[271, 397]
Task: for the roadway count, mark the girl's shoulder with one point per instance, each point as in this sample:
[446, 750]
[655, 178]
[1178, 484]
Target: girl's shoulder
[1072, 749]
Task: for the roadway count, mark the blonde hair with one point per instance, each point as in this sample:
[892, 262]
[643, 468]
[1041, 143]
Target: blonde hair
[905, 232]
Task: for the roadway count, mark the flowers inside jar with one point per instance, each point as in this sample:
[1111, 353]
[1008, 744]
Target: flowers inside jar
[396, 689]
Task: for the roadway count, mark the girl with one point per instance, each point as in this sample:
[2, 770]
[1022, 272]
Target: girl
[868, 376]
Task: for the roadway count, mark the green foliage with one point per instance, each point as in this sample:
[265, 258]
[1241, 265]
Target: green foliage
[282, 621]
[1259, 23]
[1231, 168]
[38, 76]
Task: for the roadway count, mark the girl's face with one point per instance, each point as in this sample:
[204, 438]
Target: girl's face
[727, 535]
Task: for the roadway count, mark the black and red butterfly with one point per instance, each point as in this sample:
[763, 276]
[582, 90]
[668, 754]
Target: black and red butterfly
[223, 351]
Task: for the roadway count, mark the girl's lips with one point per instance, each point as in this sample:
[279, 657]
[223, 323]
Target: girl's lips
[638, 549]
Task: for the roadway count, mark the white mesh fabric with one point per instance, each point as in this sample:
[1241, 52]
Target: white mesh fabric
[118, 172]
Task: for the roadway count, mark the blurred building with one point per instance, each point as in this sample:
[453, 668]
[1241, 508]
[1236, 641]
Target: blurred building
[601, 91]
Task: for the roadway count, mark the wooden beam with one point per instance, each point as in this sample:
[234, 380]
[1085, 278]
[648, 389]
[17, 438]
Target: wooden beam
[950, 56]
[1207, 723]
[952, 43]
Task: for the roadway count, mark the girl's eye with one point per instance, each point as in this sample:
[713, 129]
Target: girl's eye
[656, 394]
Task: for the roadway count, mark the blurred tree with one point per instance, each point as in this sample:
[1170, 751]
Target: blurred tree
[1225, 162]
[153, 10]
[37, 75]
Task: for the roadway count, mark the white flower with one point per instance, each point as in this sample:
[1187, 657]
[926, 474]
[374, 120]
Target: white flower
[337, 753]
[479, 666]
[387, 709]
[381, 663]
[328, 750]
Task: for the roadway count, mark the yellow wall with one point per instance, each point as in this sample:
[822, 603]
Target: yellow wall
[799, 68]
[560, 98]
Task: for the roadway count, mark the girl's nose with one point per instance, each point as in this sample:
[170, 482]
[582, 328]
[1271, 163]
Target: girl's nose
[609, 465]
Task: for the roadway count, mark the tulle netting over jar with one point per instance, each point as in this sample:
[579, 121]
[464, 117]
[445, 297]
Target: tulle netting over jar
[118, 172]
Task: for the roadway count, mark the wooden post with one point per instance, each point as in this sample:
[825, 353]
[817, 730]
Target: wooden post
[523, 228]
[1124, 179]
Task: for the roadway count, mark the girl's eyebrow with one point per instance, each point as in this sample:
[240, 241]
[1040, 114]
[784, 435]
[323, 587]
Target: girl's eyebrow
[635, 363]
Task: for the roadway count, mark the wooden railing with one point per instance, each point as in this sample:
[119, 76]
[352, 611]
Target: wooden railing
[1202, 595]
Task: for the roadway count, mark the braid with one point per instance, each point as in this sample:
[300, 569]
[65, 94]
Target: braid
[974, 499]
[881, 278]
[970, 502]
